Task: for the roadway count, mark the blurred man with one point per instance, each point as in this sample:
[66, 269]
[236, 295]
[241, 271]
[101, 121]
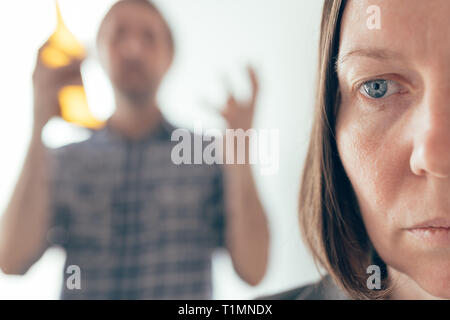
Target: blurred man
[133, 224]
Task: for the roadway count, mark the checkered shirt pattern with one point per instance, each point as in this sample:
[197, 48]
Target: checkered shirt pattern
[137, 225]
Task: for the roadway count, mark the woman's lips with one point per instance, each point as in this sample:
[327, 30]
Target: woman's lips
[434, 232]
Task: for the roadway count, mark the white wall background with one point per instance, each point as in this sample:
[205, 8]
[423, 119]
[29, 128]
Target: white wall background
[215, 40]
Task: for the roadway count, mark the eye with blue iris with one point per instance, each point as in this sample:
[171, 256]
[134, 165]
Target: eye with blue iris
[379, 88]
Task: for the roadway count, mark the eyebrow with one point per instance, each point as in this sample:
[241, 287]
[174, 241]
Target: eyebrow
[372, 53]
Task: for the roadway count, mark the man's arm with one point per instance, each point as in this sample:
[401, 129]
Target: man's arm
[247, 230]
[26, 220]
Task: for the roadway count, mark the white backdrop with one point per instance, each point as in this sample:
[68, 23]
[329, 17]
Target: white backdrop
[215, 40]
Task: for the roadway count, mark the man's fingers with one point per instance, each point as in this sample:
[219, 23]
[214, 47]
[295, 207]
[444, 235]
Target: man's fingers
[72, 70]
[70, 73]
[231, 101]
[255, 85]
[71, 79]
[73, 66]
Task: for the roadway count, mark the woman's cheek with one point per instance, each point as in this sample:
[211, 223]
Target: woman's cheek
[374, 153]
[361, 158]
[373, 160]
[362, 150]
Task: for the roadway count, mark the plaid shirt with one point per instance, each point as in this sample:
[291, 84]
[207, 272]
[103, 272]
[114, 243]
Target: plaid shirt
[137, 225]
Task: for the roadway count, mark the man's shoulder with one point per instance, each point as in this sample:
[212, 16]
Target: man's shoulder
[325, 289]
[93, 142]
[76, 157]
[73, 147]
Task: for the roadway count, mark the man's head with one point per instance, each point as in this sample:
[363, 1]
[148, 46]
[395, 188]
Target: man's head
[136, 48]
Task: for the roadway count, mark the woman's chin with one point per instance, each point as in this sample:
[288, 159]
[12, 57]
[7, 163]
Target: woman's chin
[435, 281]
[437, 286]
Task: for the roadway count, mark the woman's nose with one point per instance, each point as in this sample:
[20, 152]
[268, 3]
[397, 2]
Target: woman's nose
[431, 151]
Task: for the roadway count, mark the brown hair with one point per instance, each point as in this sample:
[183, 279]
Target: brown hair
[150, 6]
[330, 219]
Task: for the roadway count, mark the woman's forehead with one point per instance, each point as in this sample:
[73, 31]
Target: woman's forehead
[412, 29]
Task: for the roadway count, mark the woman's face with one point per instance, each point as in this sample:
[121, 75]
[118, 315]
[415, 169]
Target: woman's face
[393, 134]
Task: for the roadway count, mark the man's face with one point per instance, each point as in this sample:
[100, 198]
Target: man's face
[135, 49]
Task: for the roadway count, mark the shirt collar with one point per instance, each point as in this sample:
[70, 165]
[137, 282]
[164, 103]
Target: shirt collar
[162, 132]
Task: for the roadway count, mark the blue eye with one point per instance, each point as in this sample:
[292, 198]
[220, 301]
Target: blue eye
[375, 88]
[379, 89]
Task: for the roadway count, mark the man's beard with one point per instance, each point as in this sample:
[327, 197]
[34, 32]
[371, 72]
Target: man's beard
[137, 92]
[138, 95]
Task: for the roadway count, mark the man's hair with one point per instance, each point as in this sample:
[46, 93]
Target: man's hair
[330, 219]
[150, 5]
